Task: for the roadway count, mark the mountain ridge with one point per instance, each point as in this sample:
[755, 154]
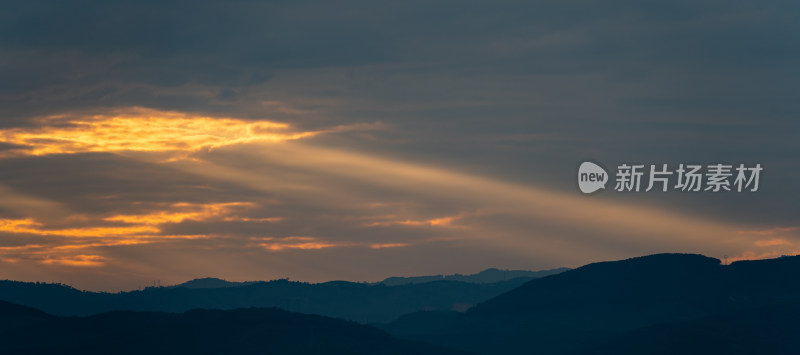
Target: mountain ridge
[252, 330]
[605, 299]
[490, 275]
[353, 301]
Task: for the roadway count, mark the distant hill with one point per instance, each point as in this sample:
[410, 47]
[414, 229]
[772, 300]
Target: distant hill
[210, 282]
[242, 331]
[491, 275]
[484, 277]
[352, 301]
[554, 314]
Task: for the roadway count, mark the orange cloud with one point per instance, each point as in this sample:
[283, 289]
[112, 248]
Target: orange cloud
[30, 226]
[771, 242]
[311, 243]
[133, 229]
[141, 129]
[770, 231]
[388, 245]
[303, 243]
[434, 222]
[77, 260]
[179, 212]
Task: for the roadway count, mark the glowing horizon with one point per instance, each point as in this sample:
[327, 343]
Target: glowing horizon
[409, 205]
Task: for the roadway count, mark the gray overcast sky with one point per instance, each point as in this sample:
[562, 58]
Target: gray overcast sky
[356, 140]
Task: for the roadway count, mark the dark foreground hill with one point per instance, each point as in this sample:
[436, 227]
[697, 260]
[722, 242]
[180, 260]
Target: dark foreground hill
[554, 314]
[769, 329]
[348, 300]
[26, 330]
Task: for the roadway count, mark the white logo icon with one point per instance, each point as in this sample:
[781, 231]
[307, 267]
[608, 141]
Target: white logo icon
[591, 177]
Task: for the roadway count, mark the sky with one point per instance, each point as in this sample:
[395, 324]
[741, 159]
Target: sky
[357, 140]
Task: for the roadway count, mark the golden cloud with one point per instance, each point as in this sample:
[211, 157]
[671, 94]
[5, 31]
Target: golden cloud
[313, 243]
[144, 130]
[443, 221]
[179, 212]
[771, 242]
[770, 231]
[303, 243]
[388, 245]
[77, 260]
[31, 226]
[433, 222]
[132, 229]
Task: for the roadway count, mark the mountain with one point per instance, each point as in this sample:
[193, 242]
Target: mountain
[769, 329]
[554, 314]
[210, 282]
[486, 276]
[678, 302]
[268, 331]
[352, 301]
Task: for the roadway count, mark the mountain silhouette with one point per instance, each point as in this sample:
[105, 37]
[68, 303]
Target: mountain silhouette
[659, 304]
[243, 331]
[554, 314]
[491, 275]
[769, 329]
[348, 300]
[211, 282]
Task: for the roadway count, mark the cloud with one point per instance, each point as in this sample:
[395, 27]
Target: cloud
[770, 231]
[140, 129]
[302, 243]
[64, 246]
[388, 245]
[30, 226]
[181, 211]
[77, 260]
[771, 242]
[434, 222]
